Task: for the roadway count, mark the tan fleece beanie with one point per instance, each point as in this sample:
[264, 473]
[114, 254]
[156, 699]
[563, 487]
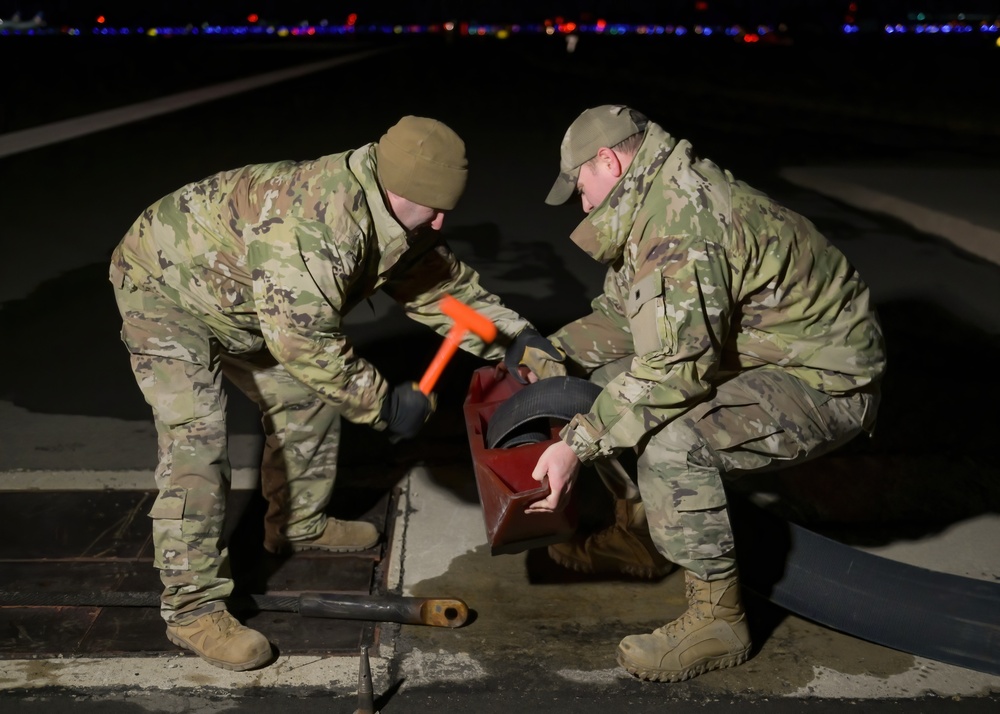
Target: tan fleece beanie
[423, 161]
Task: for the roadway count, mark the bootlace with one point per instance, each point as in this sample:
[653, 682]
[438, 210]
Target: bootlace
[687, 619]
[224, 622]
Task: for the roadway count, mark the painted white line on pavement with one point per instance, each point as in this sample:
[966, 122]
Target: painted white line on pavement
[184, 671]
[842, 184]
[18, 141]
[925, 678]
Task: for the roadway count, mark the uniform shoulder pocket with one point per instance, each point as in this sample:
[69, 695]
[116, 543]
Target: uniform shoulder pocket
[642, 291]
[647, 316]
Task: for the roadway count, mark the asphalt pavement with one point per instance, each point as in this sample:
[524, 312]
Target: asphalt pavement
[922, 225]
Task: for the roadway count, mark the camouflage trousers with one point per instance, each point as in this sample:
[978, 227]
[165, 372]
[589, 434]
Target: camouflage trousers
[179, 364]
[758, 421]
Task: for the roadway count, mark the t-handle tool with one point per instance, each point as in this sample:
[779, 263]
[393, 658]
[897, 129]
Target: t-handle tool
[436, 612]
[466, 320]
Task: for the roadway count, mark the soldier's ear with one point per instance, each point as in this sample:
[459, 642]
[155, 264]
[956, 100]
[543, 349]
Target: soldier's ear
[609, 159]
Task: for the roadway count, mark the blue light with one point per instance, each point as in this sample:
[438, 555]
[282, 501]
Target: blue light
[922, 27]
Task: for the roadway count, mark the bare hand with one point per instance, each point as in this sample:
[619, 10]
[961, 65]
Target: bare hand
[561, 466]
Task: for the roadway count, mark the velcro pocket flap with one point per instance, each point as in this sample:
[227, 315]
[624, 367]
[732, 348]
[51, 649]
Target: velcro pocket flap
[169, 504]
[643, 291]
[700, 495]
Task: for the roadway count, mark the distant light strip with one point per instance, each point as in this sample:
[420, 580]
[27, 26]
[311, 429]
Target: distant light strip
[27, 139]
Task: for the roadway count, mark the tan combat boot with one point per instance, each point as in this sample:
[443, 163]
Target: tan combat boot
[711, 634]
[219, 639]
[624, 548]
[341, 537]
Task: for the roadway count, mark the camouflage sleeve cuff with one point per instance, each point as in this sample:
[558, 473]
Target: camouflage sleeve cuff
[584, 438]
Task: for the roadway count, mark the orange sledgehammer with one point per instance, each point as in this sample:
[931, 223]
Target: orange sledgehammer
[466, 320]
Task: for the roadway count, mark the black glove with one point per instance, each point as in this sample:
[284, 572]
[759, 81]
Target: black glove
[406, 410]
[536, 353]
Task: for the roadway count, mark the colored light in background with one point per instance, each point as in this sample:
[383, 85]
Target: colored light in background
[253, 17]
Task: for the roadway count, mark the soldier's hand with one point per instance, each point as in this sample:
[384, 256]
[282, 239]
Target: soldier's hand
[560, 466]
[542, 358]
[406, 409]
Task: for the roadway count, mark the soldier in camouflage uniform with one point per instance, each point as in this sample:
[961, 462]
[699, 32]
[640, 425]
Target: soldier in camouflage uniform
[731, 337]
[249, 274]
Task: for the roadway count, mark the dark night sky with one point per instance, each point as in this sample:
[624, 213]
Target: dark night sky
[82, 12]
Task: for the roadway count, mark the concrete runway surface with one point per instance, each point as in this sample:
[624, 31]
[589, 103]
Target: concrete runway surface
[907, 193]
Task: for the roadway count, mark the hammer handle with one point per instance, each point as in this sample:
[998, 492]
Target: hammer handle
[437, 612]
[466, 320]
[451, 342]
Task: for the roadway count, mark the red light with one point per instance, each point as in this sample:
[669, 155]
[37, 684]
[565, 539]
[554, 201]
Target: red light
[352, 19]
[568, 27]
[253, 17]
[701, 5]
[853, 7]
[601, 24]
[100, 19]
[751, 38]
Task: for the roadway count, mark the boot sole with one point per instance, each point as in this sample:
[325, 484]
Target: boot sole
[222, 664]
[633, 571]
[665, 675]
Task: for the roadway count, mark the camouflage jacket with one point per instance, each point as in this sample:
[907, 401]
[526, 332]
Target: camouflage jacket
[708, 277]
[273, 256]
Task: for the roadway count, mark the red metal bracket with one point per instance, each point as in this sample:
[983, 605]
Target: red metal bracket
[503, 476]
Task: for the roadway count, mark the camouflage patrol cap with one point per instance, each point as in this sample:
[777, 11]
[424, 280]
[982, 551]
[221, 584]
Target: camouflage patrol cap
[423, 161]
[598, 127]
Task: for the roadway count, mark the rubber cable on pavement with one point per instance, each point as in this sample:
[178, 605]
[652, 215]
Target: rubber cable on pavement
[944, 617]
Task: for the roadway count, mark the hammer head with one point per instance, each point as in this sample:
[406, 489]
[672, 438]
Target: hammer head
[464, 316]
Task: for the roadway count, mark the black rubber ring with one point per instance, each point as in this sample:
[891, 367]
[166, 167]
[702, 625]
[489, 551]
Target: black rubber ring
[555, 398]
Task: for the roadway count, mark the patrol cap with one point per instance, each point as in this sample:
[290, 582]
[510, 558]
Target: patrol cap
[606, 125]
[423, 161]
